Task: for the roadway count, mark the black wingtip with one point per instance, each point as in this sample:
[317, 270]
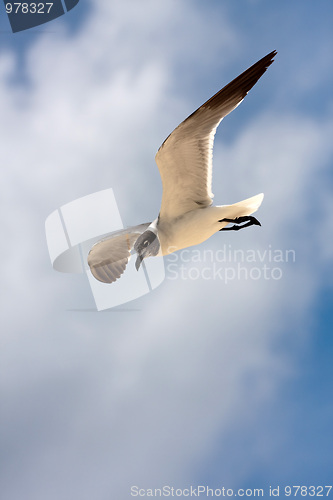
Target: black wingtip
[238, 88]
[273, 53]
[268, 59]
[263, 63]
[250, 76]
[233, 93]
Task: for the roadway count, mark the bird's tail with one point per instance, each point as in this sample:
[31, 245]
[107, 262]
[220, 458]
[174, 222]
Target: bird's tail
[250, 205]
[245, 207]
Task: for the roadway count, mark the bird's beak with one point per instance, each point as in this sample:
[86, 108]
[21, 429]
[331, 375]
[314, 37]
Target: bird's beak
[139, 259]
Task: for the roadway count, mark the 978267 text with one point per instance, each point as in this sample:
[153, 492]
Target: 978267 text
[205, 491]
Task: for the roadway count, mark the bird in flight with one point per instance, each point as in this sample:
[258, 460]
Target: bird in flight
[187, 216]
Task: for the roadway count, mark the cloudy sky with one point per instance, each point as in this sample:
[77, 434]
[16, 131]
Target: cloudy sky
[202, 381]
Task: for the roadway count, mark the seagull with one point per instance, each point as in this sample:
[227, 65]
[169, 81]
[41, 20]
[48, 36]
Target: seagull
[187, 216]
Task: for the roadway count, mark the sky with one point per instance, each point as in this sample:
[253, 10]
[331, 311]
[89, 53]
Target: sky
[223, 383]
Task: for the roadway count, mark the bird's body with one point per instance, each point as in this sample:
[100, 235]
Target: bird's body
[196, 226]
[187, 216]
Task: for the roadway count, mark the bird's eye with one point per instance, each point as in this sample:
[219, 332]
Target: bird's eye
[145, 243]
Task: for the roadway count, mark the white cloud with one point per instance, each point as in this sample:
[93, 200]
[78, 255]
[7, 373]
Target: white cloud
[94, 401]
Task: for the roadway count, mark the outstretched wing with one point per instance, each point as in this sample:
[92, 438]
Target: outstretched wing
[186, 156]
[108, 258]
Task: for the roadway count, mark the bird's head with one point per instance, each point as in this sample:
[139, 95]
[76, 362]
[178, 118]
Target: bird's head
[147, 245]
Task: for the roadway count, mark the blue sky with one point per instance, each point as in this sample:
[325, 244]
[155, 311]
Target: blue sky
[198, 382]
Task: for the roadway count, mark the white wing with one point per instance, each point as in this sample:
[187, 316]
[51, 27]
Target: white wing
[108, 258]
[185, 158]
